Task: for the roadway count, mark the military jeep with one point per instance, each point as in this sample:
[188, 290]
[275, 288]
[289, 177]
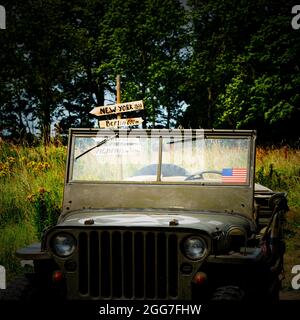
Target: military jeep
[162, 214]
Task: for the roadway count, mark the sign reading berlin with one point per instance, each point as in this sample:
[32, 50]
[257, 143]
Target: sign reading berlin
[118, 108]
[120, 122]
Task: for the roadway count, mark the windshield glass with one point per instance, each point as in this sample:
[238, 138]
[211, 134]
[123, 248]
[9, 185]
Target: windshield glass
[161, 159]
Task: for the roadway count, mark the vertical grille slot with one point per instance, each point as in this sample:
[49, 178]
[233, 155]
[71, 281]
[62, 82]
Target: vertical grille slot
[114, 264]
[138, 265]
[161, 266]
[128, 264]
[83, 263]
[105, 264]
[173, 265]
[117, 266]
[150, 266]
[94, 264]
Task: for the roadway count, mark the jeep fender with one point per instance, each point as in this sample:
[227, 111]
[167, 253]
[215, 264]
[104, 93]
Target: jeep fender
[32, 252]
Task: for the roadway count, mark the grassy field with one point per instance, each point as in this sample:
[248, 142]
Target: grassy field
[31, 186]
[279, 169]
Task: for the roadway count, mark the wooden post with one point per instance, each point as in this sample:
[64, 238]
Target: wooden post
[118, 94]
[119, 116]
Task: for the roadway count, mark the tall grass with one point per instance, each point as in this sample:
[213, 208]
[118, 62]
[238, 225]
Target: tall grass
[279, 169]
[31, 189]
[31, 186]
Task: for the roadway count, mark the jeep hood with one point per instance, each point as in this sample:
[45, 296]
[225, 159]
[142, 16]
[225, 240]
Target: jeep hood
[205, 221]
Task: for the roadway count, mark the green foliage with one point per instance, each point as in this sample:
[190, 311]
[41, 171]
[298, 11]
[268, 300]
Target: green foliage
[221, 63]
[31, 188]
[279, 170]
[244, 71]
[145, 40]
[13, 237]
[271, 178]
[46, 210]
[31, 182]
[61, 59]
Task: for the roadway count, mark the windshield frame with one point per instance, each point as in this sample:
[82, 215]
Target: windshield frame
[177, 134]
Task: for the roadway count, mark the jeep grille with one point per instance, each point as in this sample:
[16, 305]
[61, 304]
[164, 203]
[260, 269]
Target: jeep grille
[128, 264]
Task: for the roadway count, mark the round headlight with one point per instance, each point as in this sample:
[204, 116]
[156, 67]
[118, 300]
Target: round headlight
[194, 248]
[63, 244]
[236, 238]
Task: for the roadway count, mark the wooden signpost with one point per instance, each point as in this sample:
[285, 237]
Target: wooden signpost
[118, 109]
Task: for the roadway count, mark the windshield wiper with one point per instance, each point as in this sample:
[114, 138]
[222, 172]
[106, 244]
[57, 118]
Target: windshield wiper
[181, 140]
[97, 145]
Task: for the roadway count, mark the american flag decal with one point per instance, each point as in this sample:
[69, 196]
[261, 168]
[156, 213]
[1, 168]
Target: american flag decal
[234, 175]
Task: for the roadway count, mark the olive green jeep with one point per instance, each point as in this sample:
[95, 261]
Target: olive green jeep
[162, 214]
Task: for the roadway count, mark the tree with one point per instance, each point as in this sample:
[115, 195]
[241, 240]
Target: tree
[243, 72]
[264, 92]
[62, 57]
[83, 86]
[221, 63]
[221, 29]
[145, 40]
[49, 58]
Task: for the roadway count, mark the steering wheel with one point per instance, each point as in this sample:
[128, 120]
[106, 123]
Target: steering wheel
[199, 175]
[167, 170]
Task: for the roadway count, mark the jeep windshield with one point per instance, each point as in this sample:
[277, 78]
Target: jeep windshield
[161, 156]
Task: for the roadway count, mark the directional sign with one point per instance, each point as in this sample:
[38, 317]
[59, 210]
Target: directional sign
[118, 108]
[120, 122]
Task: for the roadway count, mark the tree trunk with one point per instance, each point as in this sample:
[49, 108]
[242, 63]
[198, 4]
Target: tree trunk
[209, 108]
[168, 116]
[46, 122]
[46, 132]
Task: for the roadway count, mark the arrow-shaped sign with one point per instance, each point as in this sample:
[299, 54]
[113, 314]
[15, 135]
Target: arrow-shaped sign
[113, 123]
[118, 108]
